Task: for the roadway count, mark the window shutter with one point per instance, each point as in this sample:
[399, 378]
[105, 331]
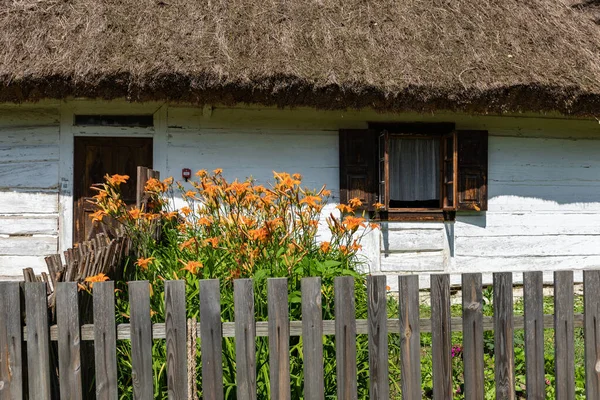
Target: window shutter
[358, 166]
[472, 168]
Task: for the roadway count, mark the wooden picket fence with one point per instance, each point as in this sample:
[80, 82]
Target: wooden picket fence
[33, 381]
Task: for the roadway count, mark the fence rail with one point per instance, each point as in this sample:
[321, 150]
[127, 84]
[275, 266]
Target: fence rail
[30, 376]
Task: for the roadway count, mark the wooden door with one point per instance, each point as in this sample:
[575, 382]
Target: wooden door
[94, 158]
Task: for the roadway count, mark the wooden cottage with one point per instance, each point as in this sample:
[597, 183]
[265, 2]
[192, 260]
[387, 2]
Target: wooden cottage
[475, 123]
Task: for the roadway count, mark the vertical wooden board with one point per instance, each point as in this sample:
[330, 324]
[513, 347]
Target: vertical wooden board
[176, 328]
[410, 336]
[345, 338]
[564, 335]
[211, 339]
[11, 362]
[533, 286]
[105, 341]
[591, 316]
[379, 386]
[503, 336]
[472, 310]
[441, 340]
[38, 340]
[312, 339]
[69, 341]
[141, 340]
[279, 338]
[245, 339]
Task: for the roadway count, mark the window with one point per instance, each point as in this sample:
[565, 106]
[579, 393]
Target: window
[143, 121]
[417, 171]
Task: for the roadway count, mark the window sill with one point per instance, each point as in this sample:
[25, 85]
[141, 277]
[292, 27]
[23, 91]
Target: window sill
[416, 216]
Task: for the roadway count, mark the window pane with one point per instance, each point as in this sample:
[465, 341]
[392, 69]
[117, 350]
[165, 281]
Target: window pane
[414, 173]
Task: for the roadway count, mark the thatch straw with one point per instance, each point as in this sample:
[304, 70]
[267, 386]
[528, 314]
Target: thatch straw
[476, 55]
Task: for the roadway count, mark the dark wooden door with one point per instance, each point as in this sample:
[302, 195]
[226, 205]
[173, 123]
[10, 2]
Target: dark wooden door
[94, 158]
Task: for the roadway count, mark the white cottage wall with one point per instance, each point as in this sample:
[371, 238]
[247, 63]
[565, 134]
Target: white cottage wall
[29, 154]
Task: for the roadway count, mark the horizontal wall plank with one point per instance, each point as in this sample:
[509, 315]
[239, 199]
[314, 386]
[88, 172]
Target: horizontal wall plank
[20, 225]
[42, 175]
[412, 261]
[559, 245]
[12, 266]
[28, 153]
[527, 224]
[28, 245]
[402, 226]
[28, 135]
[412, 240]
[529, 196]
[28, 202]
[262, 327]
[28, 116]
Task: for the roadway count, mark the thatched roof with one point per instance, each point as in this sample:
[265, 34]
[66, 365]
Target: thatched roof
[473, 55]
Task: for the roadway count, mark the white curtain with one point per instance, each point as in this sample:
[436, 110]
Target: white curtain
[414, 169]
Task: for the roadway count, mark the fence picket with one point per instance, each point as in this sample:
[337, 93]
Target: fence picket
[69, 341]
[564, 335]
[345, 337]
[503, 336]
[211, 337]
[312, 332]
[533, 297]
[379, 387]
[38, 341]
[175, 326]
[472, 309]
[441, 340]
[410, 337]
[11, 362]
[279, 338]
[591, 312]
[141, 340]
[245, 339]
[105, 341]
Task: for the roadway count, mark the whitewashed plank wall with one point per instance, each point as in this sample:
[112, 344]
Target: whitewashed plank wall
[29, 154]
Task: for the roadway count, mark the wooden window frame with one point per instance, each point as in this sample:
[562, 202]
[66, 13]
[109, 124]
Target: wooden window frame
[442, 213]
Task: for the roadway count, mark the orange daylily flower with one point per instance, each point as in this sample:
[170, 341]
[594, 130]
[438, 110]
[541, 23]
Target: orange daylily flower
[192, 266]
[168, 181]
[154, 185]
[170, 214]
[326, 192]
[212, 241]
[135, 213]
[96, 278]
[353, 223]
[98, 215]
[325, 246]
[311, 201]
[218, 171]
[355, 202]
[205, 221]
[190, 193]
[201, 173]
[258, 234]
[186, 210]
[143, 263]
[187, 243]
[117, 179]
[344, 208]
[379, 206]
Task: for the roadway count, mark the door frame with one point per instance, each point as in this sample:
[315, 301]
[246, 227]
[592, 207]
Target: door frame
[68, 132]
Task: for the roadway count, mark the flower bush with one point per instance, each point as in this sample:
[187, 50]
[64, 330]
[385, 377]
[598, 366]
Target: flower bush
[240, 229]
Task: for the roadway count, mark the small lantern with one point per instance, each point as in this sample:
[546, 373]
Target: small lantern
[186, 173]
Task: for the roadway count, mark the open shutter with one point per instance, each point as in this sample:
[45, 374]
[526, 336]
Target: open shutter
[358, 166]
[472, 168]
[383, 195]
[449, 161]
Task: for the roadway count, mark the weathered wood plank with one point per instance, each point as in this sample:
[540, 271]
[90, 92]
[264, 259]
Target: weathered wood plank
[11, 362]
[279, 338]
[28, 153]
[591, 312]
[69, 341]
[211, 336]
[410, 337]
[441, 340]
[564, 335]
[312, 332]
[533, 287]
[503, 336]
[472, 324]
[141, 340]
[379, 387]
[28, 245]
[28, 202]
[34, 175]
[560, 245]
[38, 341]
[345, 338]
[28, 225]
[245, 339]
[105, 341]
[412, 261]
[412, 240]
[175, 326]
